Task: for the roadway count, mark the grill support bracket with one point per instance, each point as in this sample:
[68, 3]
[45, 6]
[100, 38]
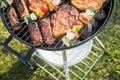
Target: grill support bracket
[66, 69]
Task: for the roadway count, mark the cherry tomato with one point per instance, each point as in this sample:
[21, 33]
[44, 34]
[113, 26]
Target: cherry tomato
[79, 23]
[44, 8]
[84, 17]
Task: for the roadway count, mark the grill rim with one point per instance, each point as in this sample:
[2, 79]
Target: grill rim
[111, 3]
[8, 29]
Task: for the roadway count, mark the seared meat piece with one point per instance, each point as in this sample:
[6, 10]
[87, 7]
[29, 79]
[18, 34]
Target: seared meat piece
[63, 20]
[21, 8]
[52, 4]
[35, 34]
[84, 4]
[46, 31]
[35, 4]
[13, 18]
[39, 7]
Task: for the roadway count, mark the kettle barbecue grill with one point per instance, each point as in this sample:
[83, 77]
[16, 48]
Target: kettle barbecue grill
[85, 36]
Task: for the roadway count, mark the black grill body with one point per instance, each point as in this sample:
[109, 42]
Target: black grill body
[24, 36]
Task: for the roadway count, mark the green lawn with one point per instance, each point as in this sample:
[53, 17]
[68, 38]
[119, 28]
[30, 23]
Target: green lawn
[108, 67]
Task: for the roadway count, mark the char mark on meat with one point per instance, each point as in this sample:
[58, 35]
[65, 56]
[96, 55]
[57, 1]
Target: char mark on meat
[13, 19]
[84, 4]
[46, 31]
[63, 20]
[35, 34]
[21, 8]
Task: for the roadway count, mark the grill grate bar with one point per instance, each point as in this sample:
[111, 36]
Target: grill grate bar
[24, 34]
[6, 19]
[97, 48]
[94, 53]
[61, 75]
[45, 65]
[90, 59]
[28, 38]
[4, 13]
[57, 70]
[85, 64]
[80, 69]
[75, 74]
[57, 43]
[62, 45]
[47, 72]
[8, 23]
[21, 30]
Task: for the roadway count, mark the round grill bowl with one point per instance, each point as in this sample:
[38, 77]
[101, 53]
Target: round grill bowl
[24, 36]
[74, 55]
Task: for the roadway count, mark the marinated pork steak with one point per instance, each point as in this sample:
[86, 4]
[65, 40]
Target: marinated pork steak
[84, 4]
[35, 34]
[21, 8]
[46, 31]
[63, 20]
[13, 18]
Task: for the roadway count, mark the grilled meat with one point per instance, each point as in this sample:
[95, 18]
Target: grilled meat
[84, 4]
[52, 4]
[35, 34]
[21, 8]
[39, 7]
[13, 18]
[46, 31]
[34, 4]
[63, 20]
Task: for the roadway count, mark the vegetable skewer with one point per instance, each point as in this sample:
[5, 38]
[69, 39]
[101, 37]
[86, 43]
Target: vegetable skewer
[53, 4]
[72, 33]
[40, 10]
[84, 19]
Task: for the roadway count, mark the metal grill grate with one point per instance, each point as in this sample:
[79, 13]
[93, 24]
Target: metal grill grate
[24, 36]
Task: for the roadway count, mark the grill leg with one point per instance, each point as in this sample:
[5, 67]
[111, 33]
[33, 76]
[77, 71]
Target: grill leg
[101, 44]
[25, 59]
[5, 44]
[66, 69]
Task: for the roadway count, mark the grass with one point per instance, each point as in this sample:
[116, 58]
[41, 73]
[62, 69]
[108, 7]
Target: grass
[108, 67]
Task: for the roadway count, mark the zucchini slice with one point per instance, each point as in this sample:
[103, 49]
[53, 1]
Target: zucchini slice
[67, 41]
